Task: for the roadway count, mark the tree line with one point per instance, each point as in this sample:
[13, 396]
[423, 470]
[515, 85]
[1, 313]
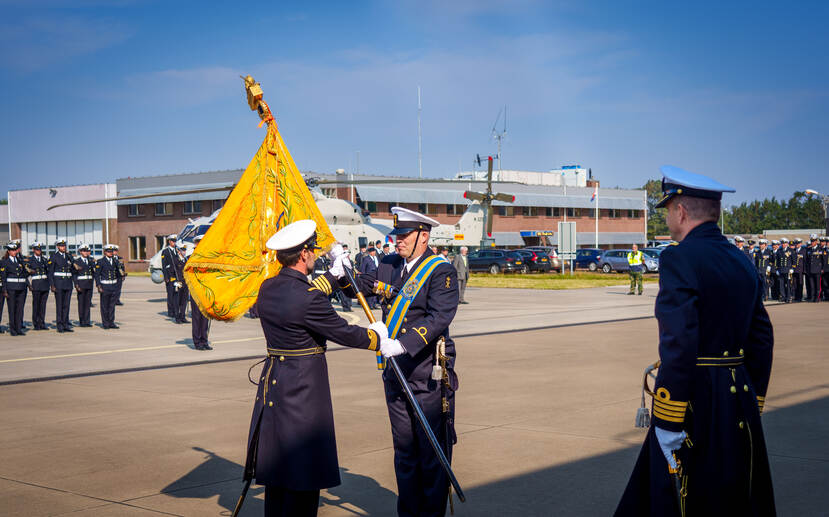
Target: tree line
[800, 211]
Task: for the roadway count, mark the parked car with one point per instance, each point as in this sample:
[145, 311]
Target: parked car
[617, 260]
[536, 260]
[654, 254]
[555, 262]
[588, 258]
[496, 261]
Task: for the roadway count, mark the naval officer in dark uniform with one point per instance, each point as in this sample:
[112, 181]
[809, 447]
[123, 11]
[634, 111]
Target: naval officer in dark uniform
[291, 445]
[38, 267]
[169, 257]
[84, 277]
[13, 277]
[106, 277]
[60, 280]
[422, 484]
[200, 322]
[705, 453]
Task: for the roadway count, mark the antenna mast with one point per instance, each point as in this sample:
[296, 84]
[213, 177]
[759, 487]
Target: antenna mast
[499, 137]
[419, 138]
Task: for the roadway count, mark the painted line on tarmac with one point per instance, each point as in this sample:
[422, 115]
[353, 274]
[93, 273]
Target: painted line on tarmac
[255, 357]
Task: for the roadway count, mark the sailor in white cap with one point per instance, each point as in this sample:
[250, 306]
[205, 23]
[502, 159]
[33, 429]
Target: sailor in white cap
[291, 446]
[814, 263]
[173, 283]
[61, 269]
[38, 267]
[741, 245]
[106, 277]
[419, 298]
[715, 350]
[13, 278]
[83, 276]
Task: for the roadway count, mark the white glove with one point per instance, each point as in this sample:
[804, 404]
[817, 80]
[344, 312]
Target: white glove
[336, 251]
[178, 284]
[380, 328]
[669, 441]
[768, 269]
[339, 265]
[391, 347]
[791, 271]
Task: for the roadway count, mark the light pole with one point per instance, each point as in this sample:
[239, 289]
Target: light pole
[825, 199]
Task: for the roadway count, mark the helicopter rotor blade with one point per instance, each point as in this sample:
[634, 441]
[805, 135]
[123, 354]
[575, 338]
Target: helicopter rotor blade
[505, 198]
[144, 196]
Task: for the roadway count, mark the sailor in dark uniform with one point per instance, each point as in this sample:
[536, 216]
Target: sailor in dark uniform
[423, 486]
[106, 278]
[84, 283]
[2, 303]
[183, 294]
[705, 453]
[200, 322]
[15, 284]
[741, 245]
[824, 275]
[38, 267]
[785, 270]
[169, 257]
[122, 274]
[291, 445]
[60, 280]
[762, 263]
[799, 262]
[812, 267]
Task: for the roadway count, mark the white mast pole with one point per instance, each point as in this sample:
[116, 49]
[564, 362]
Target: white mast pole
[419, 138]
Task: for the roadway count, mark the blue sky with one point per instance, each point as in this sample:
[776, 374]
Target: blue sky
[96, 90]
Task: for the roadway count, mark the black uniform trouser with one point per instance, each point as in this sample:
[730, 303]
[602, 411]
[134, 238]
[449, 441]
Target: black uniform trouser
[812, 286]
[422, 484]
[797, 287]
[39, 308]
[182, 297]
[281, 502]
[824, 286]
[2, 304]
[784, 287]
[108, 307]
[764, 284]
[172, 299]
[84, 303]
[63, 297]
[201, 325]
[17, 300]
[345, 301]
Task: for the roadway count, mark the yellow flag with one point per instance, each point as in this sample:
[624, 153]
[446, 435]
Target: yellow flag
[231, 261]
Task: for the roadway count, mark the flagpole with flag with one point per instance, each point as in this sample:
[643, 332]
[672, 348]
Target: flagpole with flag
[595, 199]
[230, 263]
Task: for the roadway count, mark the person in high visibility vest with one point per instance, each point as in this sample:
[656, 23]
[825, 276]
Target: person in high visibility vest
[636, 269]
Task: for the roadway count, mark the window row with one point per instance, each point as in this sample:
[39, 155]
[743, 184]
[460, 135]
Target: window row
[163, 209]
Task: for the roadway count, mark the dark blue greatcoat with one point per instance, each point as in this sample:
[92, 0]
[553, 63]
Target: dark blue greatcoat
[291, 443]
[421, 482]
[710, 312]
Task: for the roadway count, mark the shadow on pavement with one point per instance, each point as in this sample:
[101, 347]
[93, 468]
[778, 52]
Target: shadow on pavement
[798, 452]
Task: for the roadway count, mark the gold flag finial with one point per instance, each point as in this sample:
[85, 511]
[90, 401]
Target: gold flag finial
[255, 101]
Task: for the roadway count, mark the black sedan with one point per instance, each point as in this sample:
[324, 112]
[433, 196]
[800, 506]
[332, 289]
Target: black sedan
[536, 260]
[496, 261]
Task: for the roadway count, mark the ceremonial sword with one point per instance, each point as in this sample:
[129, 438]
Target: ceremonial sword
[433, 441]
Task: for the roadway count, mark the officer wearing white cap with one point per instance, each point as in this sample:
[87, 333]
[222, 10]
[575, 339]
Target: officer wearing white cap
[84, 277]
[785, 269]
[173, 283]
[812, 267]
[200, 323]
[715, 348]
[291, 445]
[14, 280]
[762, 259]
[741, 245]
[106, 277]
[60, 280]
[799, 257]
[419, 298]
[38, 267]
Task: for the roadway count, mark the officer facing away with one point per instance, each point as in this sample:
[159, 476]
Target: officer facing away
[705, 453]
[636, 269]
[291, 445]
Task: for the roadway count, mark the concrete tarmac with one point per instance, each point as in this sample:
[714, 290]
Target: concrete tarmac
[544, 417]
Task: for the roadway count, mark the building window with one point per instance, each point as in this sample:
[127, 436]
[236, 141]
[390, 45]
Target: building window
[556, 211]
[163, 209]
[160, 241]
[329, 192]
[571, 212]
[631, 214]
[431, 209]
[138, 248]
[134, 210]
[192, 207]
[218, 203]
[548, 211]
[529, 211]
[371, 206]
[506, 211]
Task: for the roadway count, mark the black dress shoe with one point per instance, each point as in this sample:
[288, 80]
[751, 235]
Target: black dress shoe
[118, 303]
[114, 326]
[206, 347]
[68, 329]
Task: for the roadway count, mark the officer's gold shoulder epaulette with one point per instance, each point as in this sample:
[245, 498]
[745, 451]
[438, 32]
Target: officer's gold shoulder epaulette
[323, 285]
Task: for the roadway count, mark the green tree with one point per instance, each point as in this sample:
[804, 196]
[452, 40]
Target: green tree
[656, 216]
[801, 211]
